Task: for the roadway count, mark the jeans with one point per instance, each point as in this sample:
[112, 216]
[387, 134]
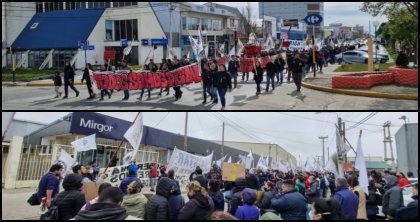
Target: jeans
[142, 92]
[222, 93]
[245, 74]
[126, 94]
[281, 76]
[270, 78]
[152, 183]
[178, 92]
[214, 92]
[234, 76]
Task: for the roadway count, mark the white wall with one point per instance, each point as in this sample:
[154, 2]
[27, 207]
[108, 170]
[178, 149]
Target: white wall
[148, 28]
[18, 16]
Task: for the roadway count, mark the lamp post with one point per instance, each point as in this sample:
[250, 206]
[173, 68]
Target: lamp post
[376, 24]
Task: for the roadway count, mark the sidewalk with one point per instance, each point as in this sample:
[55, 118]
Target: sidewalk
[45, 82]
[15, 207]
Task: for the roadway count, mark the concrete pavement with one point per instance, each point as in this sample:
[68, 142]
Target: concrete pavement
[284, 97]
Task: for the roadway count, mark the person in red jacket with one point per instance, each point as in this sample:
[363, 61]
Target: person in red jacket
[153, 174]
[402, 180]
[307, 181]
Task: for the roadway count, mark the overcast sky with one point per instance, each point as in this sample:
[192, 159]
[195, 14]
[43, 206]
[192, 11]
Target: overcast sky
[347, 13]
[297, 132]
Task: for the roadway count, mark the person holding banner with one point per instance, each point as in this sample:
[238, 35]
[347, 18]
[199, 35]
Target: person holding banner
[151, 67]
[127, 68]
[164, 68]
[108, 68]
[177, 89]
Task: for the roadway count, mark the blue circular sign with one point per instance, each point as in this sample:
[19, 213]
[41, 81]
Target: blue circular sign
[313, 19]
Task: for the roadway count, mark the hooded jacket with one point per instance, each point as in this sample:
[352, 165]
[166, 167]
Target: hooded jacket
[393, 198]
[218, 200]
[176, 201]
[198, 208]
[135, 204]
[104, 211]
[291, 205]
[248, 211]
[71, 200]
[158, 206]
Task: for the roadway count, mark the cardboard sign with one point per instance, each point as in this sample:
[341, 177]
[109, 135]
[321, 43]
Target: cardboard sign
[90, 190]
[231, 171]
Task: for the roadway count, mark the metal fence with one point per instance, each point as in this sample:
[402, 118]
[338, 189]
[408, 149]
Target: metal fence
[34, 162]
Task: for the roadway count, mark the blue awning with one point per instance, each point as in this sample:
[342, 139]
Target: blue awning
[58, 29]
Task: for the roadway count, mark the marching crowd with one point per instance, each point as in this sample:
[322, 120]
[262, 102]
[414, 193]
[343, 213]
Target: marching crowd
[260, 195]
[217, 79]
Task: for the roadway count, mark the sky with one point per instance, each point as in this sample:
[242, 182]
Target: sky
[297, 132]
[347, 13]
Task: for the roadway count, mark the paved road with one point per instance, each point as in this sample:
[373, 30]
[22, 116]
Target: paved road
[284, 97]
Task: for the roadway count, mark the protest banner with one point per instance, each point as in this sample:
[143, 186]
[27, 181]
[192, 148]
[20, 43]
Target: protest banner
[90, 190]
[147, 80]
[114, 175]
[231, 171]
[184, 164]
[297, 45]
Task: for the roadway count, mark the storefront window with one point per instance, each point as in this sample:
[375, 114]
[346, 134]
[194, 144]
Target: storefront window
[194, 23]
[205, 24]
[217, 25]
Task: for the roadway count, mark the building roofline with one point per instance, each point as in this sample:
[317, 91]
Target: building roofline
[29, 121]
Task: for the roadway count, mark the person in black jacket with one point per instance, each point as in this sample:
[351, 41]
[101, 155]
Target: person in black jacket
[71, 200]
[200, 206]
[252, 180]
[158, 206]
[214, 83]
[200, 178]
[297, 67]
[223, 83]
[86, 76]
[280, 63]
[177, 89]
[57, 84]
[233, 70]
[69, 80]
[271, 71]
[207, 80]
[258, 76]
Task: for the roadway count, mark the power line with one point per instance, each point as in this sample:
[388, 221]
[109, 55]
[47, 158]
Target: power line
[162, 119]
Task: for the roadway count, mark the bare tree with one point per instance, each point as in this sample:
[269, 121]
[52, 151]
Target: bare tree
[247, 25]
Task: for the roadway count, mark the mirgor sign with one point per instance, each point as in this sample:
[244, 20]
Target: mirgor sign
[91, 124]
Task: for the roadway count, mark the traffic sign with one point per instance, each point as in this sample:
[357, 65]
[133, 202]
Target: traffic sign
[154, 41]
[81, 43]
[124, 43]
[87, 48]
[313, 19]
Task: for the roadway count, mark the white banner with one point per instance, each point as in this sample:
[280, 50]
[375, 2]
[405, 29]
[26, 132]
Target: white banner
[297, 45]
[184, 163]
[85, 143]
[219, 162]
[360, 164]
[116, 174]
[66, 161]
[6, 120]
[134, 134]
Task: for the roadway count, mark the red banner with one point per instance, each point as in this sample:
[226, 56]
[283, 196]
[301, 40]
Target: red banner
[247, 65]
[147, 80]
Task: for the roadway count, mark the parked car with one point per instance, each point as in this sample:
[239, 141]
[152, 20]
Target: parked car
[384, 55]
[355, 56]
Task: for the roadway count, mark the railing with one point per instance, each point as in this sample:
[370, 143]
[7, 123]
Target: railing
[32, 165]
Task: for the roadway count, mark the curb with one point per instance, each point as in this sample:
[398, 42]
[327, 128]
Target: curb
[360, 93]
[35, 84]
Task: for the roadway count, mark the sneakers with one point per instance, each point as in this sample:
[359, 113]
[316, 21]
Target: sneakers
[77, 94]
[65, 97]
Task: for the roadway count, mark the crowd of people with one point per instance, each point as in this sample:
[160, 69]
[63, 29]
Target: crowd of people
[217, 79]
[261, 194]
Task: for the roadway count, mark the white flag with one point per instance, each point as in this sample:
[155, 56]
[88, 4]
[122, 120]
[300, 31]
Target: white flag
[262, 163]
[249, 159]
[281, 166]
[128, 157]
[230, 160]
[240, 47]
[134, 134]
[85, 143]
[219, 162]
[6, 120]
[344, 147]
[331, 167]
[66, 161]
[360, 164]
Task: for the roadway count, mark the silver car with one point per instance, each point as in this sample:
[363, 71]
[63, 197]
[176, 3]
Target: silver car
[355, 56]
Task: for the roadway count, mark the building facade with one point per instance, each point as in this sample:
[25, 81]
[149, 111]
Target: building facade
[406, 140]
[294, 10]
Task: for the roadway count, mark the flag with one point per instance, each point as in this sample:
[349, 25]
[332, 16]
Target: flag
[341, 144]
[134, 134]
[240, 48]
[219, 162]
[6, 120]
[230, 160]
[331, 167]
[280, 166]
[128, 157]
[200, 48]
[360, 164]
[261, 163]
[85, 143]
[249, 159]
[252, 39]
[222, 49]
[66, 161]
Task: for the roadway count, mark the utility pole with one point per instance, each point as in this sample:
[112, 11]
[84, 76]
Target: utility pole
[339, 151]
[223, 138]
[388, 139]
[269, 155]
[186, 129]
[323, 149]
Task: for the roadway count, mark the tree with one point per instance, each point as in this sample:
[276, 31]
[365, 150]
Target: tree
[403, 18]
[247, 25]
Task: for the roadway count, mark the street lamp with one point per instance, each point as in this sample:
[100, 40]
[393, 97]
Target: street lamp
[376, 24]
[405, 119]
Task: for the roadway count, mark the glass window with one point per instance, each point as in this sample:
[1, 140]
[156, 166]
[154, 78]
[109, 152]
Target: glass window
[129, 29]
[194, 23]
[217, 25]
[91, 5]
[108, 4]
[115, 4]
[77, 5]
[205, 24]
[123, 25]
[108, 30]
[117, 30]
[184, 23]
[135, 29]
[49, 6]
[39, 7]
[82, 5]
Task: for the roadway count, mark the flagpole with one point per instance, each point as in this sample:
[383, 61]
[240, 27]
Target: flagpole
[119, 146]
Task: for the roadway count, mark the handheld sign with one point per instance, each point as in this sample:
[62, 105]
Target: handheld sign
[231, 171]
